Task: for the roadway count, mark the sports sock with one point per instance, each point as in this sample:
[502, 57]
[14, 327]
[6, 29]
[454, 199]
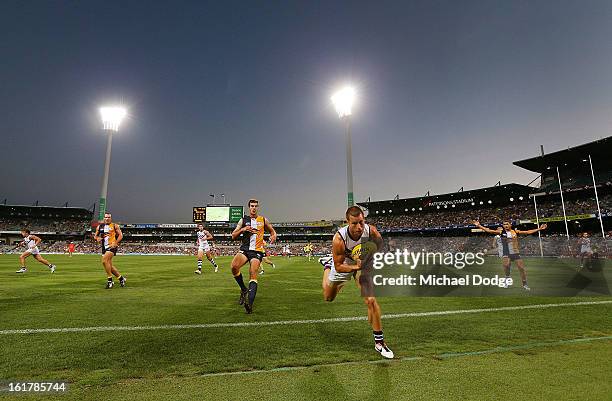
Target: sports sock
[252, 291]
[240, 282]
[110, 278]
[199, 265]
[378, 337]
[211, 260]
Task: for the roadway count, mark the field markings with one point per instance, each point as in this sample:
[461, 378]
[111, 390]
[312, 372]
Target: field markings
[495, 350]
[292, 322]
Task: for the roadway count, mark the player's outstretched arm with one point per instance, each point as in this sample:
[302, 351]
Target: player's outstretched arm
[485, 229]
[535, 230]
[271, 230]
[338, 249]
[209, 236]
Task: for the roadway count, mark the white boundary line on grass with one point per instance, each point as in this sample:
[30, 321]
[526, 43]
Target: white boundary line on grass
[495, 350]
[292, 322]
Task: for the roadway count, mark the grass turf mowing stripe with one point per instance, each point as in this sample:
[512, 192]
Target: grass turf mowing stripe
[291, 322]
[495, 350]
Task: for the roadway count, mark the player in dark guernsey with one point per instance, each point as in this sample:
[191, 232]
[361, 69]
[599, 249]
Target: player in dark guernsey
[251, 230]
[510, 247]
[342, 266]
[109, 235]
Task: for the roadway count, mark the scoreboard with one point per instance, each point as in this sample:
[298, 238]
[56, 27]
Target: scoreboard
[218, 214]
[199, 214]
[223, 214]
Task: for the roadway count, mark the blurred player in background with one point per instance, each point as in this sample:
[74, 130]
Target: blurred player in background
[266, 259]
[109, 235]
[308, 251]
[70, 249]
[510, 247]
[497, 244]
[586, 252]
[204, 248]
[31, 242]
[251, 228]
[342, 266]
[286, 251]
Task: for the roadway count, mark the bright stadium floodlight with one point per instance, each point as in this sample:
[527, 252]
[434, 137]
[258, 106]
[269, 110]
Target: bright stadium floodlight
[343, 102]
[111, 119]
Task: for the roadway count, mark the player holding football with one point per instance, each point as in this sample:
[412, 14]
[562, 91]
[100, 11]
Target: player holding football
[109, 235]
[251, 228]
[510, 247]
[31, 242]
[204, 248]
[343, 265]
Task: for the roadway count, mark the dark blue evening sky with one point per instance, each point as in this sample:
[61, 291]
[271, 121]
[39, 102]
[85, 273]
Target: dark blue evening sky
[233, 97]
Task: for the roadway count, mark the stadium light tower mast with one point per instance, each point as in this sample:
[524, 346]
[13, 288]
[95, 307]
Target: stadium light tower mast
[111, 119]
[343, 102]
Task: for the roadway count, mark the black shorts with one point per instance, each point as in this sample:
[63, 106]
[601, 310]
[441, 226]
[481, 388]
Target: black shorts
[253, 255]
[513, 256]
[113, 250]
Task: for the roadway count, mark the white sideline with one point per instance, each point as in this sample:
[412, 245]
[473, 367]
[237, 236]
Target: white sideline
[291, 322]
[495, 350]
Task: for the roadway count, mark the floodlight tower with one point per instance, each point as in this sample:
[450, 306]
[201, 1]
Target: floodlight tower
[343, 102]
[111, 119]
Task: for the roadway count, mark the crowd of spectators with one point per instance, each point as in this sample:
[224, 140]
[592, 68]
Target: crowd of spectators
[553, 245]
[224, 248]
[513, 212]
[44, 225]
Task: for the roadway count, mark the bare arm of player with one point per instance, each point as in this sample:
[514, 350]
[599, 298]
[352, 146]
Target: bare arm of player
[535, 230]
[485, 229]
[338, 250]
[271, 230]
[96, 235]
[119, 235]
[209, 236]
[36, 239]
[376, 238]
[238, 230]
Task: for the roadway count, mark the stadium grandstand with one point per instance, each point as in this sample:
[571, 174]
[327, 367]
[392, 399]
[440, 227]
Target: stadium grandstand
[451, 215]
[443, 221]
[60, 225]
[54, 223]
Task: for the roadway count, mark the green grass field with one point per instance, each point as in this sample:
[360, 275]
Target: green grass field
[561, 352]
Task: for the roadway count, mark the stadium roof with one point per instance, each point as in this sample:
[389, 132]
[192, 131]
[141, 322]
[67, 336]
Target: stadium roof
[599, 150]
[467, 198]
